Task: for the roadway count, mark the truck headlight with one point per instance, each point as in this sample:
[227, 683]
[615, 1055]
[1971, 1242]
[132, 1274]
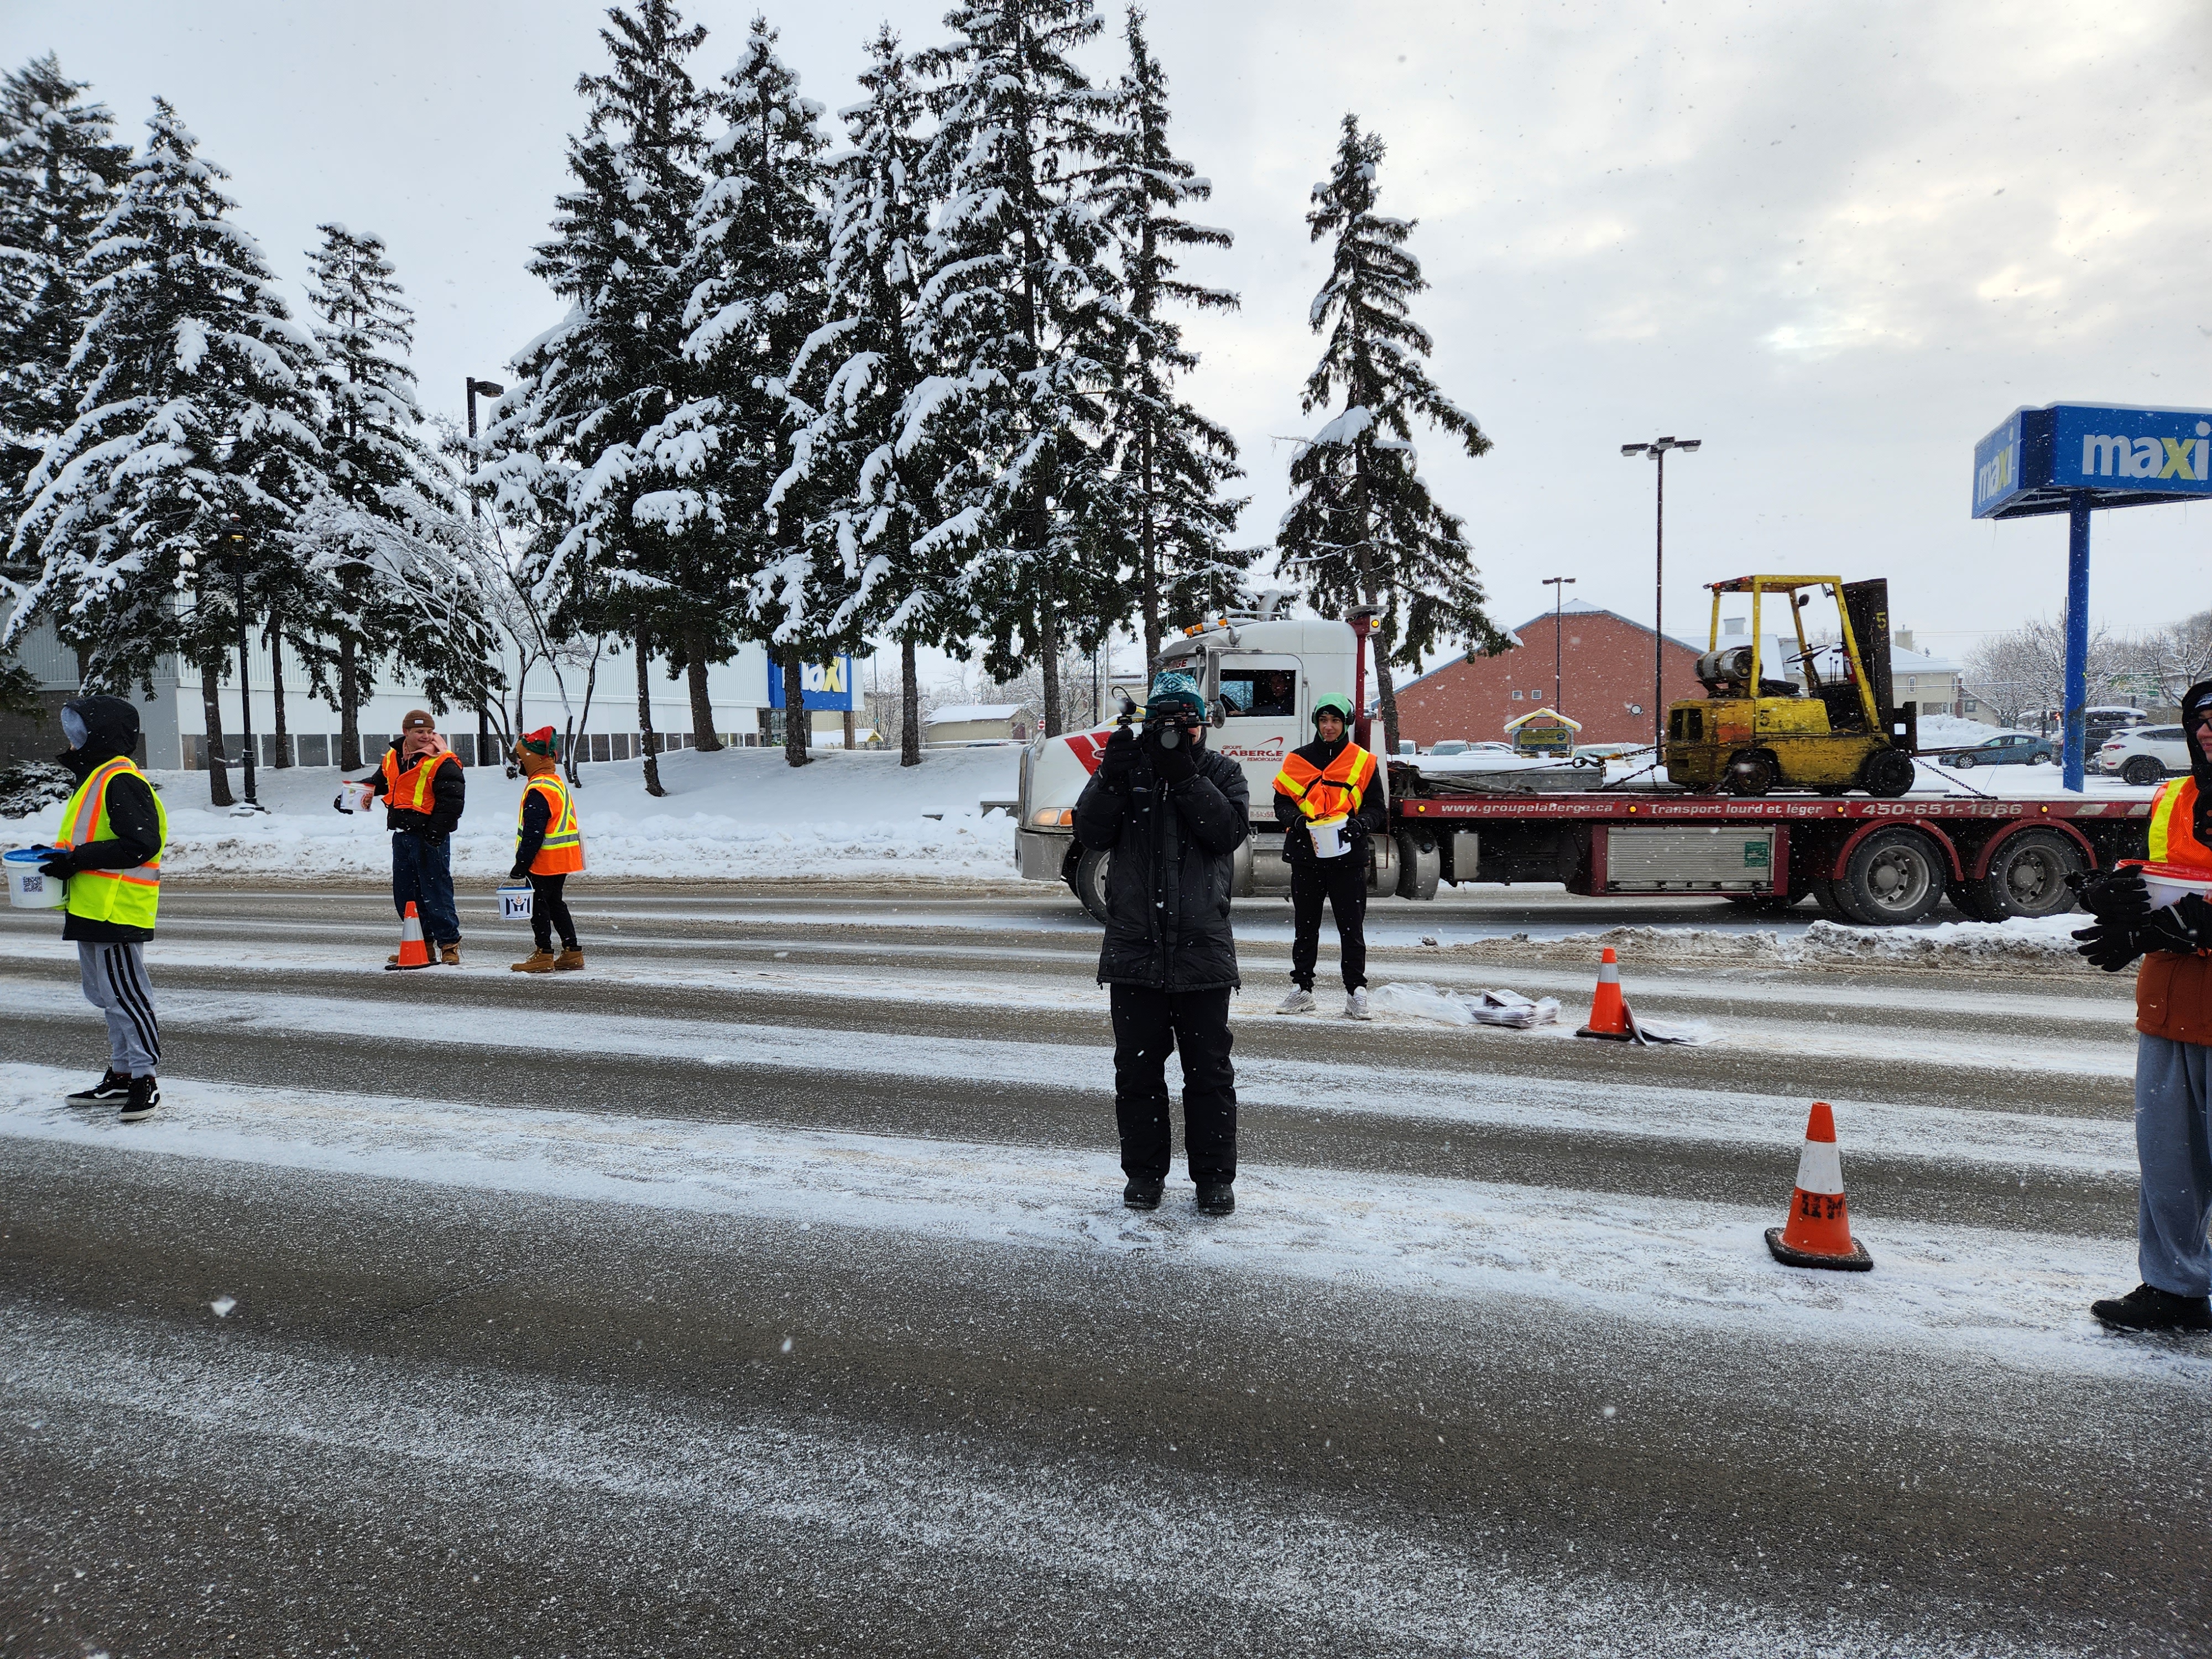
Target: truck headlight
[1045, 819]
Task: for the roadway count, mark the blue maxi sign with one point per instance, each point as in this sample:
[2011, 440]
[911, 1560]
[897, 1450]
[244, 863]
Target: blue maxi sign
[821, 684]
[2075, 459]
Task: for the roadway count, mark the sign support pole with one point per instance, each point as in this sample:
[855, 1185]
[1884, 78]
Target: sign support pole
[2077, 635]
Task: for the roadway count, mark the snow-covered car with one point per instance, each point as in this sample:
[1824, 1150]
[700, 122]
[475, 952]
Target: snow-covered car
[2006, 749]
[2146, 754]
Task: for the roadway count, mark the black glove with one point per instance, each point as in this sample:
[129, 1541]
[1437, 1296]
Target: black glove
[2109, 947]
[1175, 765]
[1120, 758]
[60, 867]
[2118, 896]
[520, 872]
[2184, 927]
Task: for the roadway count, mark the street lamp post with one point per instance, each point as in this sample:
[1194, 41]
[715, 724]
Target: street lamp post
[1558, 585]
[1656, 449]
[476, 389]
[236, 535]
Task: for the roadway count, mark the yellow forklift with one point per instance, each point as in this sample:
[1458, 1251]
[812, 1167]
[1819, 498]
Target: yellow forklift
[1758, 729]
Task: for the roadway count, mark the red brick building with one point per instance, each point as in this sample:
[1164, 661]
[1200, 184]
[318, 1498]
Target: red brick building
[1604, 681]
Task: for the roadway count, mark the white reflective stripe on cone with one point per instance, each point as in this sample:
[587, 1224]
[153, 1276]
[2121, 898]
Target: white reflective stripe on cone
[1819, 1168]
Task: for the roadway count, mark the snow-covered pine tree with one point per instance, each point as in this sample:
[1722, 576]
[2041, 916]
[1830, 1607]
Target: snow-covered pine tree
[388, 541]
[195, 445]
[1172, 462]
[863, 487]
[759, 249]
[59, 167]
[610, 514]
[1020, 316]
[1362, 528]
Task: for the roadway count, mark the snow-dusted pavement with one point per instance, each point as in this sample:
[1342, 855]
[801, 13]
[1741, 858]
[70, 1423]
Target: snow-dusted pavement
[765, 1289]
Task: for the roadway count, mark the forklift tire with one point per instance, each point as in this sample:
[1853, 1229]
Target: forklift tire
[1089, 880]
[1752, 772]
[1894, 878]
[1887, 773]
[2027, 877]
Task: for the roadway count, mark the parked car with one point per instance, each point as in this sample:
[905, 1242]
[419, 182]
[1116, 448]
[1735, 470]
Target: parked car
[2006, 749]
[2145, 755]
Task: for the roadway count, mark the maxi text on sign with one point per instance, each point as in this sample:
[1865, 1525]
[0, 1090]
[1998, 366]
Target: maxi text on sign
[2117, 454]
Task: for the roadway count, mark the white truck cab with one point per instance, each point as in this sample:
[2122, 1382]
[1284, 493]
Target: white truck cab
[1260, 676]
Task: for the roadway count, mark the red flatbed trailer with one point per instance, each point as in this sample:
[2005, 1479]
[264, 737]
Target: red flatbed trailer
[1873, 862]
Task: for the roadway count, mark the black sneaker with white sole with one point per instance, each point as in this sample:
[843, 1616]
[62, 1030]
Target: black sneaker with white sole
[111, 1090]
[145, 1100]
[2148, 1308]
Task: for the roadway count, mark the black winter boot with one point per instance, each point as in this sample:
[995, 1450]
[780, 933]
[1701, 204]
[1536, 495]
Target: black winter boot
[2147, 1308]
[1142, 1194]
[111, 1090]
[145, 1100]
[1216, 1198]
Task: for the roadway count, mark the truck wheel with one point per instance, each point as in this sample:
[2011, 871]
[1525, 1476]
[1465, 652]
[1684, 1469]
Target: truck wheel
[1894, 878]
[2142, 769]
[1420, 866]
[1824, 895]
[1090, 880]
[1887, 773]
[1751, 772]
[2027, 877]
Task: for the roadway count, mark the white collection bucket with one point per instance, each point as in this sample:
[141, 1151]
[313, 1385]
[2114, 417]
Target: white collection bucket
[26, 889]
[1329, 840]
[515, 902]
[2165, 885]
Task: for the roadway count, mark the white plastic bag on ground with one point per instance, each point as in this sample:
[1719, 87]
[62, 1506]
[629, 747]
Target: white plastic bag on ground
[1418, 1000]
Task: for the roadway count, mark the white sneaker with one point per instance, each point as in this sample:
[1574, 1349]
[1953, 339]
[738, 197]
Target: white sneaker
[1355, 1004]
[1300, 1001]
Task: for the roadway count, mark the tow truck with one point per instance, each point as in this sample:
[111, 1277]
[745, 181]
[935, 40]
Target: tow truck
[1710, 827]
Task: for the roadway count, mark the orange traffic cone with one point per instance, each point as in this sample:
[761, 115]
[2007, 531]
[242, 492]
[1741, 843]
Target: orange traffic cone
[413, 952]
[1609, 1016]
[1819, 1231]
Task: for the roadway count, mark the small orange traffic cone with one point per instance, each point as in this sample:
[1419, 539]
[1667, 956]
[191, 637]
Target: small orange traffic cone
[1609, 1016]
[413, 952]
[1819, 1234]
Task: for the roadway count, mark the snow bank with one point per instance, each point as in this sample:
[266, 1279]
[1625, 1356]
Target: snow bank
[740, 813]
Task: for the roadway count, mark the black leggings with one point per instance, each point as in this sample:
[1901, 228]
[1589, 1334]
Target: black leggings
[549, 910]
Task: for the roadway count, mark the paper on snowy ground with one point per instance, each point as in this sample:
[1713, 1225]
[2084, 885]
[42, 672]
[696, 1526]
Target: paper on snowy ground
[1418, 1000]
[2018, 1294]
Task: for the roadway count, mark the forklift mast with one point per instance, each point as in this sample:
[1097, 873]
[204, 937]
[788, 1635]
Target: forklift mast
[1868, 604]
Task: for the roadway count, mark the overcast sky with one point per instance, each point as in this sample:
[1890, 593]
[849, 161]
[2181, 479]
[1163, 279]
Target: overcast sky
[1837, 242]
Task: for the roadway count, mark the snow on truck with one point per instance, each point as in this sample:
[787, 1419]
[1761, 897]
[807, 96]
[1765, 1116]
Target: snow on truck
[1776, 789]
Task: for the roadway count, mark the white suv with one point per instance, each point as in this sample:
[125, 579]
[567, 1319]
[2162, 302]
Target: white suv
[2144, 755]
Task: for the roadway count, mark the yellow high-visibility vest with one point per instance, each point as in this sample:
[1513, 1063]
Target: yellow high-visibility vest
[1332, 791]
[129, 898]
[561, 853]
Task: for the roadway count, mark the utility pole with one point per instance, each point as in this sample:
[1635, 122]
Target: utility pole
[1656, 449]
[1558, 585]
[488, 389]
[237, 544]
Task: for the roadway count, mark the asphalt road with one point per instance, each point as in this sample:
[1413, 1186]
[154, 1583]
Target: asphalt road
[764, 1289]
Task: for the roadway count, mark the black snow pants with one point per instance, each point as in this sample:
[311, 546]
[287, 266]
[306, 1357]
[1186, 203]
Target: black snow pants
[1149, 1025]
[549, 910]
[1343, 883]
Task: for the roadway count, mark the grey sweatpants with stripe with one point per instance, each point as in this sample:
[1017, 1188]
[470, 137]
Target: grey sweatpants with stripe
[115, 982]
[2173, 1143]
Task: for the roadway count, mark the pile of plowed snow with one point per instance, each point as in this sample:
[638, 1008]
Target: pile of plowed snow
[741, 813]
[2043, 942]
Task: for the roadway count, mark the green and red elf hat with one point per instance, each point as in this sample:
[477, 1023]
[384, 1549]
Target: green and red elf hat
[543, 741]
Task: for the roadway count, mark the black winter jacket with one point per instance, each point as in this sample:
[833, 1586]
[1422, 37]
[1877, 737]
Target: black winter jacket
[1173, 862]
[1373, 814]
[449, 798]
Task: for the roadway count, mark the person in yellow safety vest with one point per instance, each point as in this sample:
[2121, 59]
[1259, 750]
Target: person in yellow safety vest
[2173, 1045]
[548, 848]
[109, 851]
[425, 791]
[1331, 780]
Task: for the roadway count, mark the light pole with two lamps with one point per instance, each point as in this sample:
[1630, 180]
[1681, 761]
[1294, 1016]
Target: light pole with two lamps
[1558, 585]
[1656, 449]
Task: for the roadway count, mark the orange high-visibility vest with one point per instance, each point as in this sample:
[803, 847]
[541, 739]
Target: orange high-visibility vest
[1332, 791]
[415, 789]
[129, 898]
[2173, 827]
[561, 852]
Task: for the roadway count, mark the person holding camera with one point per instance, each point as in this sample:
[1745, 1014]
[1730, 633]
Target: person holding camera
[1173, 814]
[2174, 1046]
[425, 790]
[1330, 781]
